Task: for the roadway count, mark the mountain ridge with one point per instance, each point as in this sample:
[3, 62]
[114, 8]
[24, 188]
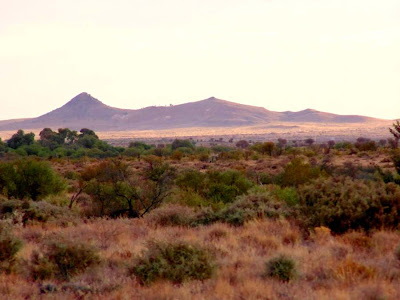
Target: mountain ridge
[86, 111]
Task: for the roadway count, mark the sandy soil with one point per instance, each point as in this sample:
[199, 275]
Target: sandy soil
[273, 131]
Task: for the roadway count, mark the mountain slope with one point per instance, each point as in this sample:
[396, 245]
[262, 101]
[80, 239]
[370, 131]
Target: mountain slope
[86, 111]
[81, 111]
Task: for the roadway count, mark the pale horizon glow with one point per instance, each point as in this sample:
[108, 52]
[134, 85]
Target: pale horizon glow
[338, 56]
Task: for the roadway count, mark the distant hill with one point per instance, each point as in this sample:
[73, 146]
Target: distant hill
[86, 111]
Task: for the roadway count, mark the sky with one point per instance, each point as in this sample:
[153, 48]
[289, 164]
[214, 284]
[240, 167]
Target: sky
[339, 56]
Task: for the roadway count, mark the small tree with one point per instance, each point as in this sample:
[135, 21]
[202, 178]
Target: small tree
[50, 139]
[282, 142]
[68, 136]
[309, 141]
[243, 144]
[298, 172]
[264, 148]
[396, 132]
[27, 178]
[119, 191]
[182, 143]
[331, 143]
[3, 146]
[21, 139]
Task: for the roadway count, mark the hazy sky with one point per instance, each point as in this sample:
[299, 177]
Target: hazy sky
[341, 56]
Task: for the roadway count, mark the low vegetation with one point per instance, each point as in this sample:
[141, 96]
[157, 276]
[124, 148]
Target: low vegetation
[9, 247]
[80, 218]
[176, 262]
[62, 260]
[282, 268]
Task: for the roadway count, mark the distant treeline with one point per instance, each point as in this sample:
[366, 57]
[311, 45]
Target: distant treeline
[72, 144]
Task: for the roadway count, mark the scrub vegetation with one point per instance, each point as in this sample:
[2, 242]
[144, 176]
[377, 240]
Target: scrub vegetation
[80, 218]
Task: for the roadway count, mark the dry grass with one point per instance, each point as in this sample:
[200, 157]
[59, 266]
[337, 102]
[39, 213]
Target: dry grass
[352, 266]
[349, 266]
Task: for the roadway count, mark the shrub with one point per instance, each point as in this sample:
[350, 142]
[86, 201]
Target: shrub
[366, 145]
[176, 262]
[343, 145]
[3, 147]
[182, 144]
[63, 260]
[191, 179]
[116, 190]
[297, 173]
[243, 144]
[226, 186]
[359, 172]
[265, 178]
[9, 247]
[39, 211]
[71, 175]
[20, 139]
[204, 157]
[245, 208]
[171, 215]
[282, 268]
[27, 178]
[343, 204]
[264, 148]
[41, 267]
[349, 270]
[288, 195]
[214, 186]
[193, 199]
[177, 155]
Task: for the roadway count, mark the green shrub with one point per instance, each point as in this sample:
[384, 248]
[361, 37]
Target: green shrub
[116, 190]
[176, 262]
[297, 173]
[65, 259]
[27, 178]
[264, 148]
[20, 139]
[71, 175]
[265, 178]
[193, 199]
[343, 145]
[191, 179]
[41, 267]
[226, 186]
[9, 247]
[343, 204]
[214, 186]
[288, 195]
[257, 204]
[282, 268]
[182, 144]
[3, 147]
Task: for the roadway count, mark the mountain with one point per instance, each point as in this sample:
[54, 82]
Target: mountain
[86, 111]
